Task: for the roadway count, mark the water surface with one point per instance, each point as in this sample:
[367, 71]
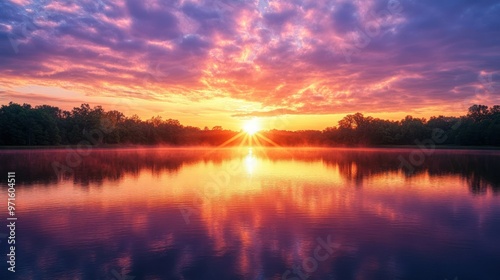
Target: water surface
[254, 214]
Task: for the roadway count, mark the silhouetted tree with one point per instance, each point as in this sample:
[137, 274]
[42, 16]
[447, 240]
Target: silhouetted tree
[24, 125]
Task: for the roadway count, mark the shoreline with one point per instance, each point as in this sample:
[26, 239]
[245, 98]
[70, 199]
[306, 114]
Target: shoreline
[119, 146]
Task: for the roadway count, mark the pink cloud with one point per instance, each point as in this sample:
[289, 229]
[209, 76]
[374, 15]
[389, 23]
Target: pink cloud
[307, 57]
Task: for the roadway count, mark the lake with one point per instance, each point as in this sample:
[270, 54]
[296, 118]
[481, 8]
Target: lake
[254, 213]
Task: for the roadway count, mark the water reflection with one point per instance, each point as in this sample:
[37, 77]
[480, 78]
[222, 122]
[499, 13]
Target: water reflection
[478, 168]
[250, 162]
[256, 214]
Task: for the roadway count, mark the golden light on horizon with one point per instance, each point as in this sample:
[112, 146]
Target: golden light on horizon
[251, 126]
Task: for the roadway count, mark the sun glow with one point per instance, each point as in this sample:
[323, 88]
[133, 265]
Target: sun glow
[251, 126]
[250, 136]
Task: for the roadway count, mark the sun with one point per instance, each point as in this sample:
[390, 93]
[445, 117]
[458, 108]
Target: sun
[251, 126]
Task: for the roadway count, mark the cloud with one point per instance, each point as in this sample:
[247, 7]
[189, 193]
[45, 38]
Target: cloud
[271, 113]
[306, 57]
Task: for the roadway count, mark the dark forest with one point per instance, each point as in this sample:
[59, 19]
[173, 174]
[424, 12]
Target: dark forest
[25, 125]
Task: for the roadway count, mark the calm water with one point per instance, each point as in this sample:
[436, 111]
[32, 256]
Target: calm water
[254, 214]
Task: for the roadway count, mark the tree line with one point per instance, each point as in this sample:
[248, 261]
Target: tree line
[479, 127]
[25, 125]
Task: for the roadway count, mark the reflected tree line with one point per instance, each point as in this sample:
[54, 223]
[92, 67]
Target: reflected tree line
[24, 125]
[479, 168]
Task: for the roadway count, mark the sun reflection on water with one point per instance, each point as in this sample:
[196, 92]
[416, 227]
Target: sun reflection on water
[250, 162]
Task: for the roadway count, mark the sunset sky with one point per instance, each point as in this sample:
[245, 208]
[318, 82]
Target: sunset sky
[297, 64]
